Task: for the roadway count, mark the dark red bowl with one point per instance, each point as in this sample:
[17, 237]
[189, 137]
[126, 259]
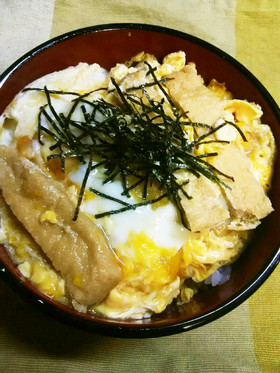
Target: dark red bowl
[107, 45]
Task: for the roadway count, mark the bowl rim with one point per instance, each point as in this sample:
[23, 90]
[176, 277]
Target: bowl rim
[119, 329]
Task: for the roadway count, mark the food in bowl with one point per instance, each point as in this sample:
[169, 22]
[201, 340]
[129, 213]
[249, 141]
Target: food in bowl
[129, 189]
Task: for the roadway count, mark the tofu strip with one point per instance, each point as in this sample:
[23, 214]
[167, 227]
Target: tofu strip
[188, 91]
[247, 199]
[78, 250]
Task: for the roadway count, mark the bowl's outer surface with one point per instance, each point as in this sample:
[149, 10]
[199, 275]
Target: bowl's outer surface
[108, 45]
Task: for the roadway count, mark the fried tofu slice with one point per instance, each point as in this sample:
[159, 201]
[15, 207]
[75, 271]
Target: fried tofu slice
[77, 249]
[207, 207]
[247, 199]
[187, 90]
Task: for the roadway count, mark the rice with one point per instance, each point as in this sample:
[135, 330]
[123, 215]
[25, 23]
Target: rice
[220, 276]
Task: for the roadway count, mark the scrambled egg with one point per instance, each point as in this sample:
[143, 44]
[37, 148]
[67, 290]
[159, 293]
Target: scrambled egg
[156, 252]
[151, 278]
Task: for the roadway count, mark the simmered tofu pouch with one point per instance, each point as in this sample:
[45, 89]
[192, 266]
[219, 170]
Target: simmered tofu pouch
[126, 190]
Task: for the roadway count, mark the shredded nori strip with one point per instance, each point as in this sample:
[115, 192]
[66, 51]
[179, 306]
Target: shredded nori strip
[85, 179]
[131, 207]
[135, 138]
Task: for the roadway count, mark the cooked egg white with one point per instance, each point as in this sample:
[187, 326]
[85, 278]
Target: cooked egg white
[155, 251]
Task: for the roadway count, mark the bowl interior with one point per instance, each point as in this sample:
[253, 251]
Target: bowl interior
[108, 46]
